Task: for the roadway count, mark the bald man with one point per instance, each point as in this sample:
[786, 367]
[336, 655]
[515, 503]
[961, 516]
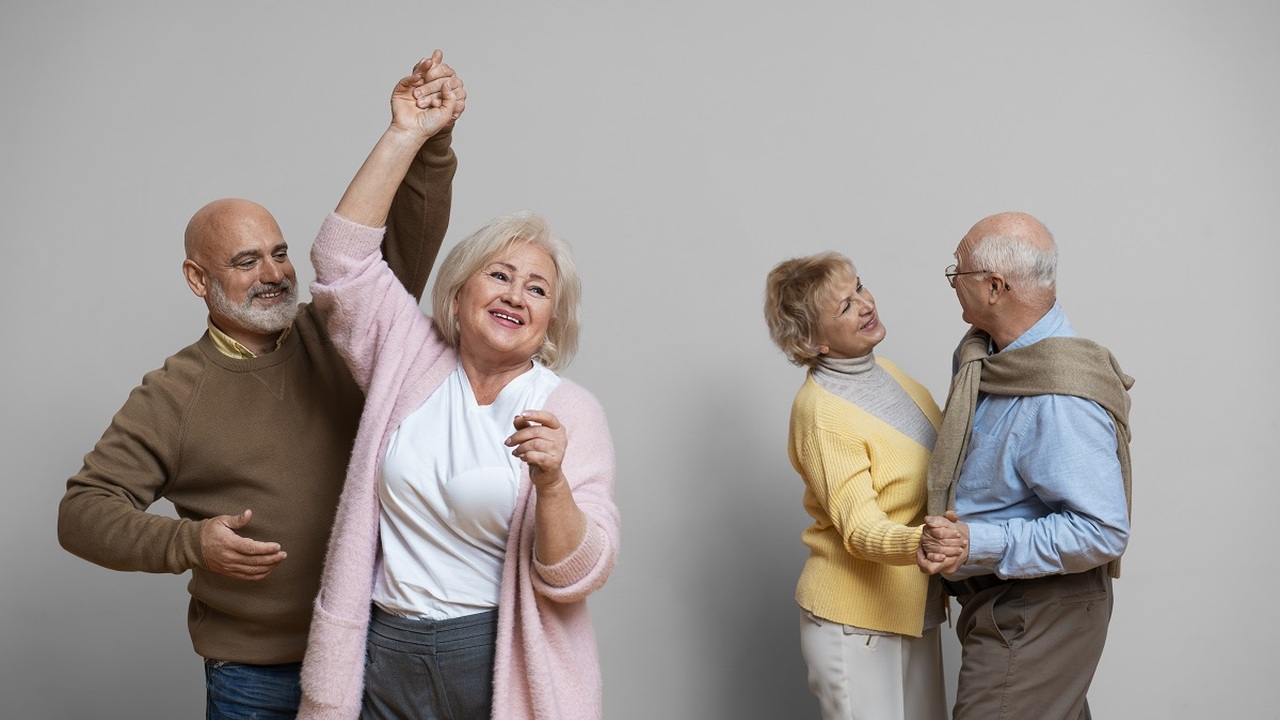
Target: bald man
[1032, 468]
[248, 432]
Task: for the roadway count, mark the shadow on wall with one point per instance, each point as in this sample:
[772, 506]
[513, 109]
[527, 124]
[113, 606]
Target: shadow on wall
[748, 620]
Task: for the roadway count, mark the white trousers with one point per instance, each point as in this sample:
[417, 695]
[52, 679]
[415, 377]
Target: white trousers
[857, 676]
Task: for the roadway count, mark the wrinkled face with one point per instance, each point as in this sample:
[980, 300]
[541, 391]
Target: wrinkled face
[251, 284]
[504, 310]
[850, 326]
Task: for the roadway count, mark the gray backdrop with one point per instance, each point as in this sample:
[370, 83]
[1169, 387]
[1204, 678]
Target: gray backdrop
[683, 149]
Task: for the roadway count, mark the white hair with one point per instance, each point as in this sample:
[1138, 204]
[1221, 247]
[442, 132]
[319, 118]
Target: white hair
[1017, 259]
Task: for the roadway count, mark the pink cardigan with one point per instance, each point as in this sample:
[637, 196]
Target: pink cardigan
[546, 665]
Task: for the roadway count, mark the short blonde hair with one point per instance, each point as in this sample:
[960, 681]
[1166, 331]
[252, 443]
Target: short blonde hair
[793, 291]
[480, 248]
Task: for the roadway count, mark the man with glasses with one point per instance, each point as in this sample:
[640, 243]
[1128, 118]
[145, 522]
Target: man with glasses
[1032, 468]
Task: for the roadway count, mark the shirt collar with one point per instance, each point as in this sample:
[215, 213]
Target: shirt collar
[1053, 324]
[232, 348]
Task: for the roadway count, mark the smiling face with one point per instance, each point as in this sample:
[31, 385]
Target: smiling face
[850, 326]
[504, 310]
[238, 261]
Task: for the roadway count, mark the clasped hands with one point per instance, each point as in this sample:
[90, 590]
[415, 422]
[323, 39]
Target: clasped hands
[944, 544]
[430, 98]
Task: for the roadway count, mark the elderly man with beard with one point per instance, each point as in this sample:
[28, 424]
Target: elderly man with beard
[248, 432]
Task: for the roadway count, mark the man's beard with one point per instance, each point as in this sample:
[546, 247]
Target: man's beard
[271, 319]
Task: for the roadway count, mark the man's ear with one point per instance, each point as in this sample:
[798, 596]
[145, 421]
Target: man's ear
[996, 285]
[196, 277]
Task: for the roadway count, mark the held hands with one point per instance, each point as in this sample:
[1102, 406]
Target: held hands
[540, 441]
[429, 99]
[944, 545]
[227, 553]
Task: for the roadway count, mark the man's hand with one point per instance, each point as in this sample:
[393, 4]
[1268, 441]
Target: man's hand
[944, 544]
[434, 72]
[428, 100]
[227, 553]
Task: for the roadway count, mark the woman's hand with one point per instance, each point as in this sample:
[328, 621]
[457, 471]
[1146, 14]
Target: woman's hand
[540, 441]
[428, 100]
[559, 524]
[430, 94]
[422, 104]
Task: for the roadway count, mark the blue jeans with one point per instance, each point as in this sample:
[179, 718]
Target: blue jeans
[429, 669]
[235, 691]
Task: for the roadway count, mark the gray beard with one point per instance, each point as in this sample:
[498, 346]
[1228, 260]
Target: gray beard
[263, 320]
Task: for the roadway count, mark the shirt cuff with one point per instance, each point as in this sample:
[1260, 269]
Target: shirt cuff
[986, 544]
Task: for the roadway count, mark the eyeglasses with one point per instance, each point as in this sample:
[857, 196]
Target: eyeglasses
[951, 274]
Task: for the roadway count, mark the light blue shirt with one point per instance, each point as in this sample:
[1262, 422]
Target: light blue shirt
[1041, 487]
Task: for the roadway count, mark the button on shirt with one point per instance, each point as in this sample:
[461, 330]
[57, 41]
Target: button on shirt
[1041, 487]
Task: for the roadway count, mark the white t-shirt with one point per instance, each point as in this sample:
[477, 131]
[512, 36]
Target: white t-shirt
[448, 491]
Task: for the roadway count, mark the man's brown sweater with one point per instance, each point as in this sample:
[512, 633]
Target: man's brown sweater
[215, 435]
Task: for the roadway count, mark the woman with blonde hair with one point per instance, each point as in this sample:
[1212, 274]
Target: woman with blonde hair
[860, 438]
[478, 511]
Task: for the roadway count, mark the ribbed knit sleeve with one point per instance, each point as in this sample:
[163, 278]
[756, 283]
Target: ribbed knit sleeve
[837, 467]
[865, 490]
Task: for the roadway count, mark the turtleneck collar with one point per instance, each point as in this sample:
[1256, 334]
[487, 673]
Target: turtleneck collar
[847, 366]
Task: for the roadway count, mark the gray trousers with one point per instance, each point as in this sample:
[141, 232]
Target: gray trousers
[429, 669]
[1029, 648]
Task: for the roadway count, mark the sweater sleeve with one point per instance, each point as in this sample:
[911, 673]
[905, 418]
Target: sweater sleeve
[837, 468]
[371, 317]
[589, 466]
[102, 517]
[419, 215]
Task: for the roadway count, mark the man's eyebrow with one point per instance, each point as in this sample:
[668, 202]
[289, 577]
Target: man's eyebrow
[245, 255]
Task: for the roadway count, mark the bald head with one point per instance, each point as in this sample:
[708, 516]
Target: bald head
[224, 223]
[1007, 279]
[1016, 225]
[238, 262]
[1017, 246]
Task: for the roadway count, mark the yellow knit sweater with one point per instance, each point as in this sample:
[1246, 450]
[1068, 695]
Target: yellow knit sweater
[865, 489]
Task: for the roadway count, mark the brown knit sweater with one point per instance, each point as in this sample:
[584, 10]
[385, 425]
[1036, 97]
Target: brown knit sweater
[215, 435]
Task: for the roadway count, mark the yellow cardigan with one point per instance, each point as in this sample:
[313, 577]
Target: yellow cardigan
[865, 489]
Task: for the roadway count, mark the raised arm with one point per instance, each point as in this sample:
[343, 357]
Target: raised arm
[419, 215]
[364, 303]
[418, 112]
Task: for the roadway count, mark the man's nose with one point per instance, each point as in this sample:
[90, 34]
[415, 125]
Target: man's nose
[271, 272]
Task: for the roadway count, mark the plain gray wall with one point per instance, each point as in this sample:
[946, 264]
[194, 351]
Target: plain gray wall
[683, 148]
